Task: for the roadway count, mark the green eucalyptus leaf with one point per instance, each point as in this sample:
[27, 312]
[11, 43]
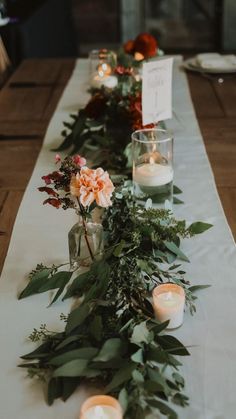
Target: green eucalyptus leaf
[176, 190]
[172, 345]
[77, 317]
[96, 328]
[177, 201]
[176, 250]
[120, 377]
[158, 378]
[178, 378]
[73, 368]
[112, 348]
[123, 399]
[68, 141]
[42, 351]
[163, 408]
[138, 356]
[195, 288]
[55, 390]
[69, 386]
[138, 377]
[199, 227]
[140, 334]
[79, 284]
[60, 279]
[82, 353]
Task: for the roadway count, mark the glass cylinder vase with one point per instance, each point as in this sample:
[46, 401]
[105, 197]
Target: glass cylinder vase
[153, 167]
[102, 63]
[85, 243]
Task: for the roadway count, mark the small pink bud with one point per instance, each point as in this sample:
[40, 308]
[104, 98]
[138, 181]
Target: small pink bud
[80, 161]
[57, 158]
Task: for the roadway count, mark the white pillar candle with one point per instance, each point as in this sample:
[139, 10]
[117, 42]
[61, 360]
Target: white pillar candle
[153, 174]
[168, 304]
[101, 407]
[98, 81]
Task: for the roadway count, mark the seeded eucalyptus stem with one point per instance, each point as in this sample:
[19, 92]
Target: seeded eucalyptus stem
[82, 212]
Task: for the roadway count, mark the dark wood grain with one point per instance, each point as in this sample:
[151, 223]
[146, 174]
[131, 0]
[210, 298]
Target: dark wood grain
[204, 96]
[215, 105]
[25, 112]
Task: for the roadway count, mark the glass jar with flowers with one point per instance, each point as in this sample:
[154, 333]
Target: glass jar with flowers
[76, 186]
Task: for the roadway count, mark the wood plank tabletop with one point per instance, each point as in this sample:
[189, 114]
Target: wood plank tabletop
[27, 103]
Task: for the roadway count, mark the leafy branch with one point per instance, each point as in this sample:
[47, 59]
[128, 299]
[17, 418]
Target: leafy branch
[112, 338]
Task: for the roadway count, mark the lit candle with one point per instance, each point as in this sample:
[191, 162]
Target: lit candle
[101, 407]
[153, 174]
[138, 56]
[168, 304]
[105, 68]
[101, 79]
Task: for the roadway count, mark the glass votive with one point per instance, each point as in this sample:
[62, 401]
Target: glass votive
[102, 63]
[101, 407]
[168, 304]
[153, 167]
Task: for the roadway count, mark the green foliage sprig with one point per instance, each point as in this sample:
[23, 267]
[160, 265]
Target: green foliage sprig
[112, 338]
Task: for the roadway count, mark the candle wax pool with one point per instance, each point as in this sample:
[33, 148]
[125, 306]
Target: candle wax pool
[153, 174]
[102, 412]
[107, 81]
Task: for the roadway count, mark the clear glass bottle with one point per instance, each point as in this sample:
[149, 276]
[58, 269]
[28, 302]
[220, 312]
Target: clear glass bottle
[85, 243]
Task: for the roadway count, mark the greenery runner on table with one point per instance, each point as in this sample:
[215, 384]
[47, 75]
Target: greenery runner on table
[112, 339]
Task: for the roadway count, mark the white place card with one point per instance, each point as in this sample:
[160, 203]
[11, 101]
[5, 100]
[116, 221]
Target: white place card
[157, 91]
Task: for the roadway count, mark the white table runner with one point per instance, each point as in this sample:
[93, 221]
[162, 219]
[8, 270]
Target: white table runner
[40, 235]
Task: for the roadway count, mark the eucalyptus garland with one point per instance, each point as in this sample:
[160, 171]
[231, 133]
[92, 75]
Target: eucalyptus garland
[112, 339]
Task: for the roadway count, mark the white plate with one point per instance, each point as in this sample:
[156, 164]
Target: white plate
[4, 21]
[191, 64]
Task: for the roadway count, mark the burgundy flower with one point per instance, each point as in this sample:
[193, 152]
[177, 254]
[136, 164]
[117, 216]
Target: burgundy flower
[120, 70]
[96, 106]
[53, 201]
[47, 179]
[49, 191]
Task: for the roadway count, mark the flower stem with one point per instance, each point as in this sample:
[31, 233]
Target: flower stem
[85, 229]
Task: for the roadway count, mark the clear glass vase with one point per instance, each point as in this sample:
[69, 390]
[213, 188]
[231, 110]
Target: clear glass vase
[85, 243]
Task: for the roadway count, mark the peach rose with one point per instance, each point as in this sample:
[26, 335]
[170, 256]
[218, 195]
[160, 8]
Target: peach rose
[92, 185]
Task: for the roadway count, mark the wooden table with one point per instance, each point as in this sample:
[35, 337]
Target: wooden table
[26, 111]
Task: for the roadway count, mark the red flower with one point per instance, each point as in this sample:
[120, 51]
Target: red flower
[145, 44]
[47, 179]
[129, 47]
[120, 70]
[51, 176]
[136, 113]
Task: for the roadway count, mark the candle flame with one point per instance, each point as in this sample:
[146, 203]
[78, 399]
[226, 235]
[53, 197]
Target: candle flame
[168, 296]
[105, 68]
[101, 73]
[138, 56]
